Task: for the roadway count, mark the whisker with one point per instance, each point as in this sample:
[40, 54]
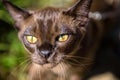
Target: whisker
[18, 68]
[77, 63]
[28, 63]
[72, 56]
[23, 58]
[65, 73]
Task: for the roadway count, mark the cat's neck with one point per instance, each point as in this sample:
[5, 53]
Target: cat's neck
[62, 71]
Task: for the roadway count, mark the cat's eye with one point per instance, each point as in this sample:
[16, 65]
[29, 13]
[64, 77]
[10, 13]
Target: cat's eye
[31, 39]
[63, 38]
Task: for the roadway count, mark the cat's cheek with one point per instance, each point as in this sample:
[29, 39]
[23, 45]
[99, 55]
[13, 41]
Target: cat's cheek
[30, 49]
[67, 47]
[59, 57]
[36, 58]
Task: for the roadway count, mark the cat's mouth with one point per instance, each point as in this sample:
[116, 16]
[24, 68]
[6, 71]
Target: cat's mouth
[45, 63]
[49, 62]
[48, 65]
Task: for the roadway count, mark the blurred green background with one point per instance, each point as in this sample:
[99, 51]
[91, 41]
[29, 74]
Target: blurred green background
[12, 53]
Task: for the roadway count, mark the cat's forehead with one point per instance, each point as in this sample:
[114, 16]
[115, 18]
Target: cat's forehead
[47, 13]
[52, 15]
[50, 19]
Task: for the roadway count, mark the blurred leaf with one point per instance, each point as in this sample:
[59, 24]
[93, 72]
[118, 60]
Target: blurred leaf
[3, 46]
[8, 61]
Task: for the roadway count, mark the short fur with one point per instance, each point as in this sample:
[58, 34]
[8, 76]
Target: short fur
[68, 60]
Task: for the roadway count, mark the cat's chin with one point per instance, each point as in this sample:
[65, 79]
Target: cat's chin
[46, 65]
[49, 65]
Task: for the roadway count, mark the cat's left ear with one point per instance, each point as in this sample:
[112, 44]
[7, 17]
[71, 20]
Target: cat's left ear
[80, 11]
[17, 13]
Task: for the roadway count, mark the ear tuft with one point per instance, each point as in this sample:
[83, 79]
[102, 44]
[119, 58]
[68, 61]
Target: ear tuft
[81, 8]
[80, 11]
[17, 13]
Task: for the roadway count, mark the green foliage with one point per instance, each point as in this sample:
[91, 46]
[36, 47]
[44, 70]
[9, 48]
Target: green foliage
[11, 53]
[9, 61]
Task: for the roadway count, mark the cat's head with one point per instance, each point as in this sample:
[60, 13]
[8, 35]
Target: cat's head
[50, 34]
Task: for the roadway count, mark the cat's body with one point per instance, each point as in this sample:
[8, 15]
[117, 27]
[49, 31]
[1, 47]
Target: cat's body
[77, 65]
[61, 44]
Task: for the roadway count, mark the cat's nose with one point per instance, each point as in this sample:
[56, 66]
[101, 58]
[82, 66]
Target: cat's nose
[46, 53]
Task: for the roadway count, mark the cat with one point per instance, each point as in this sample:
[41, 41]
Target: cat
[61, 42]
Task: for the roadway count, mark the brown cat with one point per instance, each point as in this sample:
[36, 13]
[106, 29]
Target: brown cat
[60, 43]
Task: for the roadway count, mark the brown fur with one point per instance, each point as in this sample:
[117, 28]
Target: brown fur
[69, 60]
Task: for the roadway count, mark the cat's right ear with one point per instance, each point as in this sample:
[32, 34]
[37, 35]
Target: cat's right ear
[17, 13]
[80, 11]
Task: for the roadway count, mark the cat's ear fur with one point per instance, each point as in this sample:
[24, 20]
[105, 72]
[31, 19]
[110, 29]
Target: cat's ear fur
[80, 11]
[17, 13]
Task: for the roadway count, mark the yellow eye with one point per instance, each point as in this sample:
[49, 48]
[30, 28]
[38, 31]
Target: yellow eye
[63, 38]
[31, 39]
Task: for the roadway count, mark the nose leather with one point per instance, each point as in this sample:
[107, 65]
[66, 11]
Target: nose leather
[45, 49]
[46, 53]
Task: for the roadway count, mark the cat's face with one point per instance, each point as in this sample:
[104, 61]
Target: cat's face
[50, 35]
